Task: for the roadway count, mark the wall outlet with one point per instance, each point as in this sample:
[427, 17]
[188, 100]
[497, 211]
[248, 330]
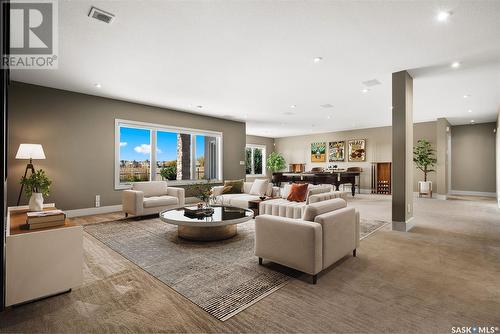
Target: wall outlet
[409, 208]
[242, 162]
[97, 201]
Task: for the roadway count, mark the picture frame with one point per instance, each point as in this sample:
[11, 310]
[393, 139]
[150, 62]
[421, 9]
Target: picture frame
[318, 152]
[356, 150]
[336, 151]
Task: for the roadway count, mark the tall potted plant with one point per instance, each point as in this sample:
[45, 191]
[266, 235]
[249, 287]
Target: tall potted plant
[36, 186]
[425, 159]
[275, 163]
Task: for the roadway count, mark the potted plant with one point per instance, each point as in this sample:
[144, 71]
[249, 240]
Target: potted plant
[169, 173]
[425, 159]
[36, 186]
[203, 191]
[275, 163]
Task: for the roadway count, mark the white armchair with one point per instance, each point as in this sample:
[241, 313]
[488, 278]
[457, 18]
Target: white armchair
[328, 231]
[147, 198]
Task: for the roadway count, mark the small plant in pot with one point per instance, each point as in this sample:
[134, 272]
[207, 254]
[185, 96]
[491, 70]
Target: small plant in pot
[36, 187]
[425, 159]
[275, 163]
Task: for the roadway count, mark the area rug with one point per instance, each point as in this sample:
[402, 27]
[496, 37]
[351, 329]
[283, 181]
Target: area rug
[221, 277]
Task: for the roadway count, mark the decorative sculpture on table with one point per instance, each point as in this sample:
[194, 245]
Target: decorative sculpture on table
[318, 152]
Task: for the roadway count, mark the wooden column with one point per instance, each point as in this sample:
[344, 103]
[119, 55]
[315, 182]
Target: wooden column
[402, 151]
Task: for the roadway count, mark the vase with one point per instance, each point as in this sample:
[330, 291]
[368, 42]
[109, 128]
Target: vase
[36, 202]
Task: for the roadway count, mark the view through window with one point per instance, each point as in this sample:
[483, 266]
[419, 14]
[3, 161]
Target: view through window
[255, 156]
[158, 153]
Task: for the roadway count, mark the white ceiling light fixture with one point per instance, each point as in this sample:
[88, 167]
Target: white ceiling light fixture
[470, 110]
[318, 59]
[443, 16]
[328, 117]
[293, 106]
[455, 64]
[365, 90]
[472, 121]
[97, 85]
[466, 96]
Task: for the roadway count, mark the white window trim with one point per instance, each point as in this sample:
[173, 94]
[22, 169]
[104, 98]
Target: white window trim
[264, 158]
[166, 128]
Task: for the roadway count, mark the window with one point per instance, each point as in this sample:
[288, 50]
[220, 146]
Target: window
[155, 152]
[255, 159]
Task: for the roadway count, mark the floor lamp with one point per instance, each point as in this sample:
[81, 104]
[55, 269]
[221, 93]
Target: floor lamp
[29, 151]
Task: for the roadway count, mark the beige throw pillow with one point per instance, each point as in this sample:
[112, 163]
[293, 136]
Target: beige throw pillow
[259, 187]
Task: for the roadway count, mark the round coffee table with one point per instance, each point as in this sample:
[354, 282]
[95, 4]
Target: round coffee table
[219, 226]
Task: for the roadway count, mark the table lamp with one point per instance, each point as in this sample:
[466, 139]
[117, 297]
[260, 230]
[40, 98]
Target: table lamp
[29, 151]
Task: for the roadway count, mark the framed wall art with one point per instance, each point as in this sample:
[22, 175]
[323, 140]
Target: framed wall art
[336, 151]
[318, 152]
[356, 150]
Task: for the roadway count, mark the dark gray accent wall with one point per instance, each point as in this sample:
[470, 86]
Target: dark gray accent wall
[77, 133]
[473, 158]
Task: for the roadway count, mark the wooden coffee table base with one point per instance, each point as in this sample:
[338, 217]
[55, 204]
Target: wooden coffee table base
[206, 233]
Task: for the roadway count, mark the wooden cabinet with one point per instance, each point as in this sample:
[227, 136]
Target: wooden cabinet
[381, 178]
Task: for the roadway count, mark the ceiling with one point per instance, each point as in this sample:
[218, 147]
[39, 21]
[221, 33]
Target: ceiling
[251, 61]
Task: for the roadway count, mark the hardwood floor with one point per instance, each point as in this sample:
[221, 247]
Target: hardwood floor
[444, 273]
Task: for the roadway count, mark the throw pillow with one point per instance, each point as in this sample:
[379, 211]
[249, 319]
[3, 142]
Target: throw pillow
[286, 191]
[259, 187]
[226, 189]
[298, 192]
[236, 186]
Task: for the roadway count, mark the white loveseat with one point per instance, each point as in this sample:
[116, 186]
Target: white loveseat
[151, 197]
[241, 200]
[327, 232]
[285, 208]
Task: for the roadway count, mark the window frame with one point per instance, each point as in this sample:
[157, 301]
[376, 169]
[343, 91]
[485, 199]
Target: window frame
[264, 158]
[154, 127]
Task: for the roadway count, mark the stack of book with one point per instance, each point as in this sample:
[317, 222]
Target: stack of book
[43, 219]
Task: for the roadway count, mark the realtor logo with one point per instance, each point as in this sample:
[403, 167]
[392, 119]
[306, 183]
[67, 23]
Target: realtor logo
[33, 35]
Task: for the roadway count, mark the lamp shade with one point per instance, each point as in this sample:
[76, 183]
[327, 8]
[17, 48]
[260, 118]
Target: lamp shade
[30, 151]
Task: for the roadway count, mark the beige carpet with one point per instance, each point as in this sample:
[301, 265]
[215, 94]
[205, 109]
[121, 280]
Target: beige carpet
[444, 273]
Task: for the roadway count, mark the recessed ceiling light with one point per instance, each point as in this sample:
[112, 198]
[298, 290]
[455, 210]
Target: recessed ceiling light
[318, 59]
[328, 117]
[293, 106]
[470, 110]
[472, 121]
[466, 96]
[199, 107]
[364, 90]
[455, 64]
[97, 85]
[443, 16]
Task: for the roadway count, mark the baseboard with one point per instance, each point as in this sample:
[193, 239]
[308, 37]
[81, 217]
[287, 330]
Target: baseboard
[434, 196]
[472, 193]
[93, 211]
[403, 226]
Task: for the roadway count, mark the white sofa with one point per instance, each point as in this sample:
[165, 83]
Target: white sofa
[241, 200]
[151, 197]
[285, 208]
[327, 232]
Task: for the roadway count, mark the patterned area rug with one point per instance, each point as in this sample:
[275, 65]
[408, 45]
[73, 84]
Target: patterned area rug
[222, 277]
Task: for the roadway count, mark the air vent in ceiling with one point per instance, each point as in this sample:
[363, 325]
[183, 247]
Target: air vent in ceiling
[327, 105]
[101, 15]
[371, 83]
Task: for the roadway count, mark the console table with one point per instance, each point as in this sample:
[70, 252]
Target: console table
[41, 262]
